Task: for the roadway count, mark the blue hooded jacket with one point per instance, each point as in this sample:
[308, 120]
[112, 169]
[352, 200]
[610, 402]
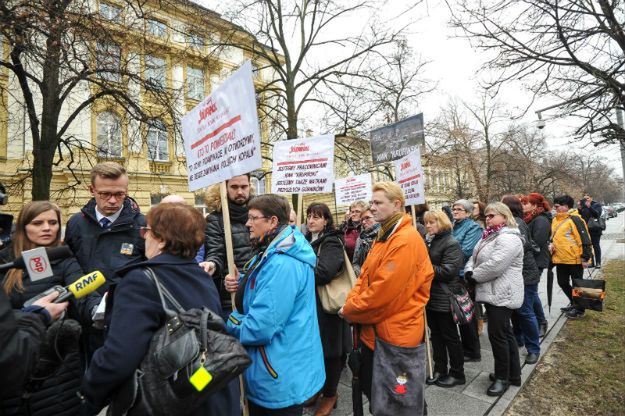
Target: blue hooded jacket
[468, 233]
[278, 325]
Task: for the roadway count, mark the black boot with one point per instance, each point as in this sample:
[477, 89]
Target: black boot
[498, 387]
[512, 381]
[432, 380]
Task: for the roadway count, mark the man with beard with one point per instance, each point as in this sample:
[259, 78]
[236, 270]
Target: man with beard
[215, 262]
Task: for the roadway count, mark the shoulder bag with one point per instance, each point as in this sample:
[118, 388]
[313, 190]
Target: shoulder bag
[333, 295]
[596, 224]
[190, 358]
[462, 307]
[398, 378]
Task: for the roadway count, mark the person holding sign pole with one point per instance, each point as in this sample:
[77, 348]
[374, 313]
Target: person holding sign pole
[215, 264]
[275, 317]
[327, 243]
[389, 301]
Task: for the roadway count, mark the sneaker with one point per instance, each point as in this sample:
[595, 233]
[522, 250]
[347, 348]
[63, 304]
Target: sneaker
[575, 313]
[598, 266]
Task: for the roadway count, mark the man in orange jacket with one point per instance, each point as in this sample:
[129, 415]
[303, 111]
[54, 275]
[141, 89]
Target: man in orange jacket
[388, 301]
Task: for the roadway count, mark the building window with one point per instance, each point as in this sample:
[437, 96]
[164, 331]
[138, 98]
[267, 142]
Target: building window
[108, 135]
[200, 205]
[110, 12]
[258, 184]
[195, 41]
[155, 69]
[195, 83]
[108, 61]
[158, 148]
[155, 199]
[156, 28]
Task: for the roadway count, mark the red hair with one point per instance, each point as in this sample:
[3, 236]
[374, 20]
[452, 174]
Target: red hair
[537, 199]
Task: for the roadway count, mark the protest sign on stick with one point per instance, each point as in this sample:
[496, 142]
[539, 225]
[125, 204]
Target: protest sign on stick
[410, 177]
[352, 189]
[221, 140]
[221, 134]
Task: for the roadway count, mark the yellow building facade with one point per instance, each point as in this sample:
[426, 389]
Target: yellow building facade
[165, 47]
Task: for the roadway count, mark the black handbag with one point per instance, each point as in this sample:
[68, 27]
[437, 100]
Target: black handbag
[462, 307]
[589, 293]
[190, 358]
[596, 224]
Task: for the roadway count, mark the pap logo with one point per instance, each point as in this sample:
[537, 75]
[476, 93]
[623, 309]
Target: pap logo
[38, 264]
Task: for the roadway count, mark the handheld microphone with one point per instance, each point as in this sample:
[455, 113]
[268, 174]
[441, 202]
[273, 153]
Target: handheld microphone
[82, 287]
[54, 253]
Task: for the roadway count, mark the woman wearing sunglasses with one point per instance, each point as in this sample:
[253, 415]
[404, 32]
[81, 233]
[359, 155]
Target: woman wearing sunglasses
[496, 268]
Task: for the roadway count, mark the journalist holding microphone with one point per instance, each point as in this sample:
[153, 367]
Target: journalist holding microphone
[53, 384]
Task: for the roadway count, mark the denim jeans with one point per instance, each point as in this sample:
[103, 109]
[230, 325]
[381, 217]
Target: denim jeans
[525, 322]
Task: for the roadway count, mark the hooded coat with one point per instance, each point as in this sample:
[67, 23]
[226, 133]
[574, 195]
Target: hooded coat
[497, 267]
[278, 324]
[393, 288]
[570, 239]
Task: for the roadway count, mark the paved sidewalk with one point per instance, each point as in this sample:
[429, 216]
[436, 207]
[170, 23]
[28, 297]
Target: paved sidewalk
[471, 399]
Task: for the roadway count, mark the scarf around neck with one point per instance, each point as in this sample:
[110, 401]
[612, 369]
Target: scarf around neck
[533, 214]
[238, 213]
[492, 230]
[388, 224]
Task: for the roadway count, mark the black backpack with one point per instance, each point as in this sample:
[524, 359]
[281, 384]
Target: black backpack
[190, 358]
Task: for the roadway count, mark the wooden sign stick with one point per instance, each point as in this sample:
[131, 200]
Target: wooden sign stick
[300, 209]
[428, 347]
[225, 211]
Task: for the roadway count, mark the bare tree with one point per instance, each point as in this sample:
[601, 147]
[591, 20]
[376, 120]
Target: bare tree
[297, 39]
[68, 57]
[573, 49]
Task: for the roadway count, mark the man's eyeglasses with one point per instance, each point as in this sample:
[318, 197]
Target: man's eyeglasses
[252, 218]
[107, 195]
[143, 231]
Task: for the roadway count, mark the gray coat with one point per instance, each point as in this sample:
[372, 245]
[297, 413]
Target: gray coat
[497, 267]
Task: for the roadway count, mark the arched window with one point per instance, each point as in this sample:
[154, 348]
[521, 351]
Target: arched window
[109, 135]
[158, 147]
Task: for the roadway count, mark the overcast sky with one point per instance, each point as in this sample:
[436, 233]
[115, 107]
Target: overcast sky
[455, 65]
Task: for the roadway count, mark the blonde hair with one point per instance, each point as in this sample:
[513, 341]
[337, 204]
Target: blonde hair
[28, 213]
[391, 190]
[108, 170]
[502, 209]
[362, 204]
[441, 219]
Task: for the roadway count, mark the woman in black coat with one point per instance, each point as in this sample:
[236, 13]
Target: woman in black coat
[524, 321]
[447, 260]
[537, 216]
[55, 383]
[134, 312]
[335, 332]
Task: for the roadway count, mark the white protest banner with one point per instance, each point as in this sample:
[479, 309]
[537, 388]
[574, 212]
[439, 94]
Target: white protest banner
[411, 178]
[352, 189]
[221, 134]
[303, 166]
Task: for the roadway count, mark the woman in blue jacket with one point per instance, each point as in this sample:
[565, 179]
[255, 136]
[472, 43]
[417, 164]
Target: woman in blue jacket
[468, 233]
[276, 315]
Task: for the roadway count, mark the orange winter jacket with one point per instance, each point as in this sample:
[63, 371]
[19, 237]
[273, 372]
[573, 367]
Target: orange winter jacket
[393, 289]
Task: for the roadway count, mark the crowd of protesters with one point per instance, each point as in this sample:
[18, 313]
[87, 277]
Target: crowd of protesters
[78, 355]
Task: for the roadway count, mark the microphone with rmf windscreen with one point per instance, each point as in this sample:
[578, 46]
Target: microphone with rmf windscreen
[82, 287]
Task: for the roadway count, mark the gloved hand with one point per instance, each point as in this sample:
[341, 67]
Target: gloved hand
[468, 276]
[62, 338]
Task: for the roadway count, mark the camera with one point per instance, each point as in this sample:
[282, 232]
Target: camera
[540, 124]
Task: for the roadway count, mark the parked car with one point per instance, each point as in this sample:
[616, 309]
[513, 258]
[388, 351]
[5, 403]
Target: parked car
[609, 212]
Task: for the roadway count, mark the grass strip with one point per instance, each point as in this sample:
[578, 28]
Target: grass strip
[583, 373]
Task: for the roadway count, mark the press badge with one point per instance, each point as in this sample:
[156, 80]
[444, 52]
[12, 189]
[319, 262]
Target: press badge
[127, 249]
